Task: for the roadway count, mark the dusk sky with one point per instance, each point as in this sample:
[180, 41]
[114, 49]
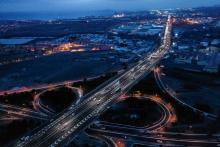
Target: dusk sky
[88, 5]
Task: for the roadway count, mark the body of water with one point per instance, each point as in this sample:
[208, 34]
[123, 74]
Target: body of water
[51, 15]
[16, 41]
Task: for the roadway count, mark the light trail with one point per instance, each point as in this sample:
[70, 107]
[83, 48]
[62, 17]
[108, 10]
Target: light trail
[98, 102]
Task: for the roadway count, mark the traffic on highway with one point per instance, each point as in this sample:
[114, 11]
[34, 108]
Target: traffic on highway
[62, 128]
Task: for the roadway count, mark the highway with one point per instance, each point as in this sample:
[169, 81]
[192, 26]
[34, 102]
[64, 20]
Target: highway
[159, 138]
[163, 121]
[22, 112]
[39, 106]
[75, 119]
[77, 91]
[41, 87]
[172, 94]
[108, 140]
[42, 112]
[153, 136]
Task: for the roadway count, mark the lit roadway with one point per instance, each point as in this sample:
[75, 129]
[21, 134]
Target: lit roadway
[158, 138]
[22, 112]
[170, 92]
[40, 87]
[67, 124]
[153, 134]
[165, 119]
[39, 106]
[43, 112]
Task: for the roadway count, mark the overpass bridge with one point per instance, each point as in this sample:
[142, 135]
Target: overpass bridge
[74, 119]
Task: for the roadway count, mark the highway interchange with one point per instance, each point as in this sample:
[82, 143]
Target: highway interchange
[39, 111]
[167, 115]
[62, 128]
[169, 91]
[153, 134]
[74, 119]
[20, 112]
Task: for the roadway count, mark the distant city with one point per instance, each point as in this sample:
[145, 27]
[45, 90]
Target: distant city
[110, 78]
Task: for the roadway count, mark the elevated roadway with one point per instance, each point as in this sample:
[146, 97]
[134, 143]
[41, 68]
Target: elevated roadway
[73, 120]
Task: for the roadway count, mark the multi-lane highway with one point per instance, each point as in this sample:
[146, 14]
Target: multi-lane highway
[74, 119]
